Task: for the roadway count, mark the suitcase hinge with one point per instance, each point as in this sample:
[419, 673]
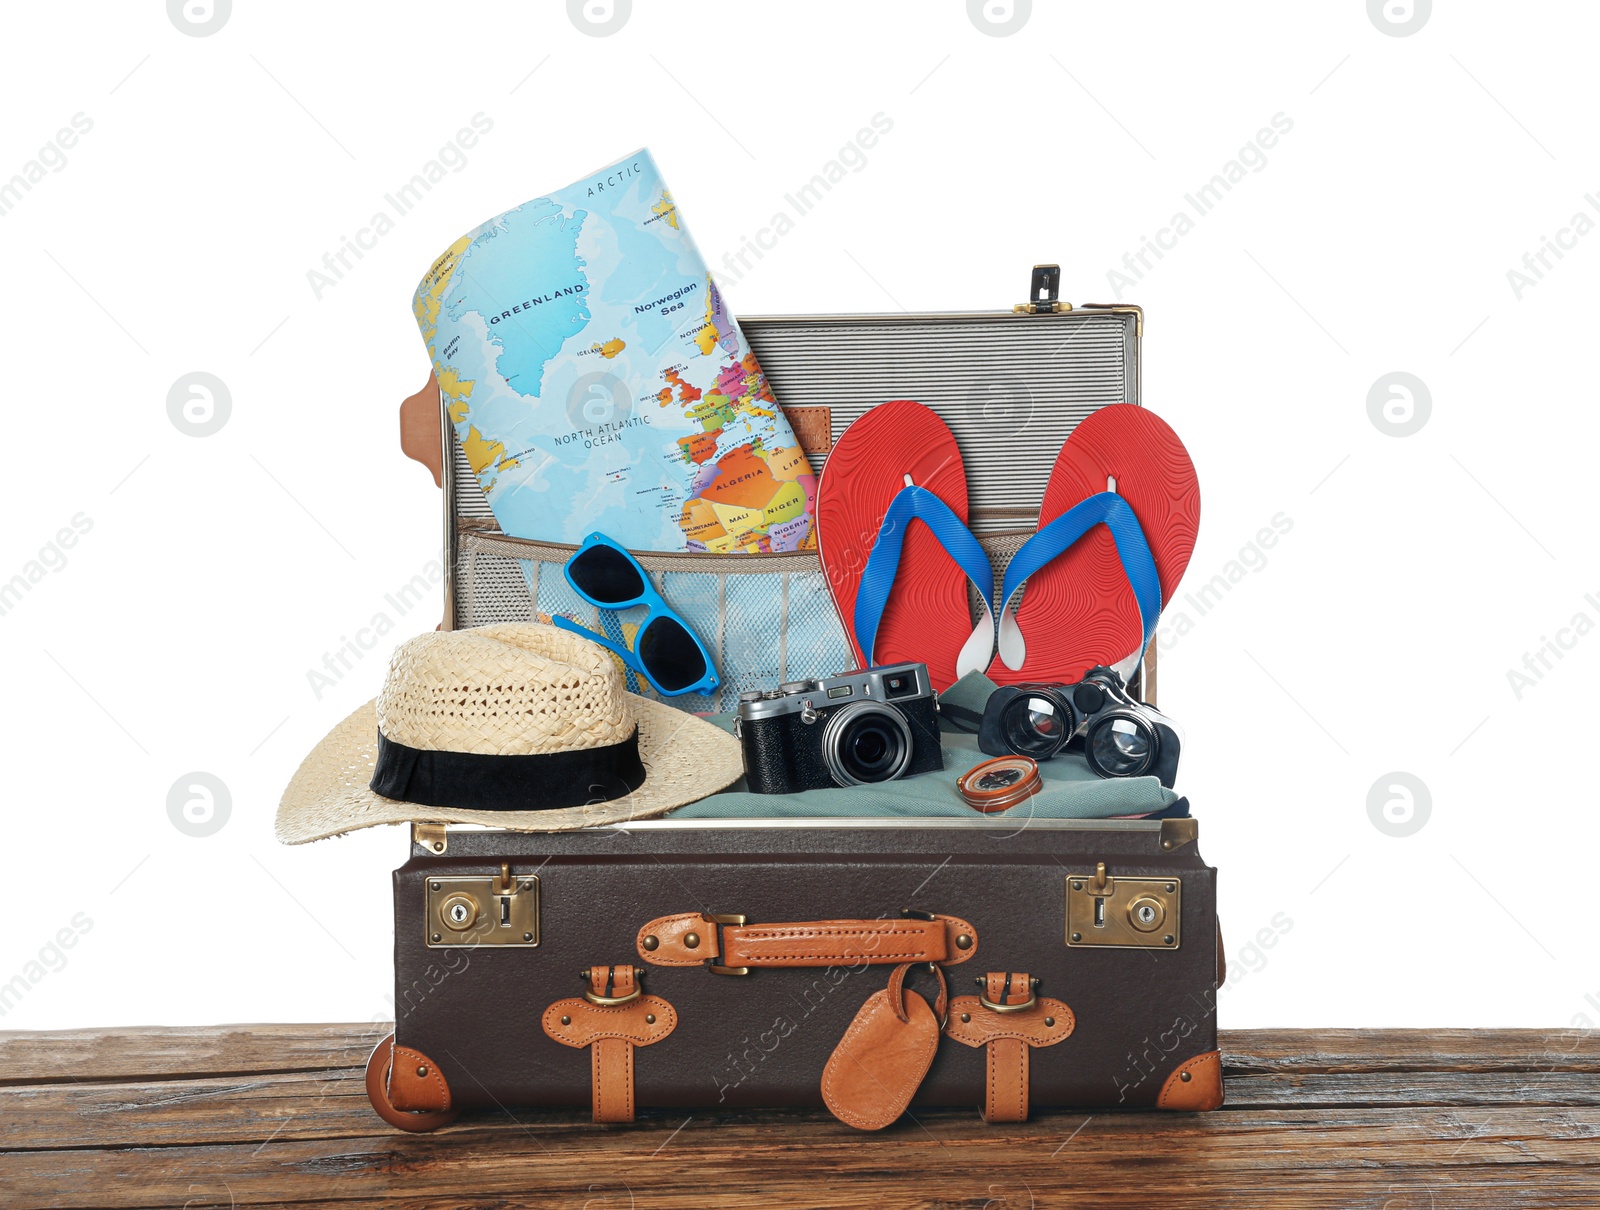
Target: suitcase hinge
[1043, 293]
[1175, 833]
[430, 836]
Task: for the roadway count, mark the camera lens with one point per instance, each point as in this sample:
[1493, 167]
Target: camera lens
[1036, 725]
[865, 743]
[1121, 745]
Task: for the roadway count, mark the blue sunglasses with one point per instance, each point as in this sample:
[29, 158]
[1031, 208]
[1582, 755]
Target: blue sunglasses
[666, 652]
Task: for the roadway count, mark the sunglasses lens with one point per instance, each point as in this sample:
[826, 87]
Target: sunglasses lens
[671, 655]
[605, 575]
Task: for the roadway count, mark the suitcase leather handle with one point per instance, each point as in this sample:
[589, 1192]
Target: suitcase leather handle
[421, 436]
[730, 945]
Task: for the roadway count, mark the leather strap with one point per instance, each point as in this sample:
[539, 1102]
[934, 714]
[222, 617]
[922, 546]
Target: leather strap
[1008, 988]
[695, 939]
[897, 992]
[613, 982]
[611, 1032]
[1006, 1099]
[1008, 1036]
[612, 1063]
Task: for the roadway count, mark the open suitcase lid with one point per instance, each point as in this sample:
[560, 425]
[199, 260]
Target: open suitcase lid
[1012, 385]
[1061, 363]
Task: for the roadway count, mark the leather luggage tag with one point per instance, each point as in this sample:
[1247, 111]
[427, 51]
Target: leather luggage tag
[880, 1062]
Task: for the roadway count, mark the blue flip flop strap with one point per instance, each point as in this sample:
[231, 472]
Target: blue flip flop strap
[1112, 511]
[877, 579]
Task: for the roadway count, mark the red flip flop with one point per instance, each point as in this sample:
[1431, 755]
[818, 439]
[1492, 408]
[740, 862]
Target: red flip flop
[901, 588]
[1079, 609]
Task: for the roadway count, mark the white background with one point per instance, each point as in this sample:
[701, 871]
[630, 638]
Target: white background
[1377, 637]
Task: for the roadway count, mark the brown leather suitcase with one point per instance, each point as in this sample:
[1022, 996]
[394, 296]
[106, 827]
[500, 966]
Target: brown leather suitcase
[710, 964]
[781, 963]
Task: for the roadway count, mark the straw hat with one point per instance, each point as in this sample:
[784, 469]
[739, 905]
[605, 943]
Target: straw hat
[516, 726]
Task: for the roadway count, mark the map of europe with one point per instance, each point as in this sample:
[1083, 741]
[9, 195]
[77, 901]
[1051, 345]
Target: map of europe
[598, 383]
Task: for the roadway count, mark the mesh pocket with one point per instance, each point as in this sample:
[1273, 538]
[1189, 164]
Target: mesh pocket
[765, 619]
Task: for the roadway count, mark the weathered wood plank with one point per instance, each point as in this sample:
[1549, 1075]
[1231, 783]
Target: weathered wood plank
[109, 1054]
[1412, 1049]
[1358, 1158]
[105, 1055]
[276, 1116]
[333, 1104]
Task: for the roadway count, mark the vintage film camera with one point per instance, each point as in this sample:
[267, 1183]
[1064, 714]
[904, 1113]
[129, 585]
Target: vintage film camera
[854, 729]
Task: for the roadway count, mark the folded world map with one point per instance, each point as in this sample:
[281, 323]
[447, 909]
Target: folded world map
[597, 381]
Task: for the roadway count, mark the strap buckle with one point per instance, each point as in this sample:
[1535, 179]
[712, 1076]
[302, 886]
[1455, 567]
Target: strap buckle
[1033, 988]
[611, 1001]
[720, 920]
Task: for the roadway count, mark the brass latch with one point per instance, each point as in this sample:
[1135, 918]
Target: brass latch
[502, 909]
[1043, 293]
[1124, 913]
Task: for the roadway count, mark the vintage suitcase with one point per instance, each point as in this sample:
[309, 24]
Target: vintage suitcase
[496, 934]
[720, 963]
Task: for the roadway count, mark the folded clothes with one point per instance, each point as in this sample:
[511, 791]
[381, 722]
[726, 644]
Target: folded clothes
[1071, 791]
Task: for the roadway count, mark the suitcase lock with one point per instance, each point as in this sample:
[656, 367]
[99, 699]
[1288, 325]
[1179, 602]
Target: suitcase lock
[1124, 913]
[499, 909]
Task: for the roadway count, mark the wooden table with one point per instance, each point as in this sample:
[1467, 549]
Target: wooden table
[275, 1115]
